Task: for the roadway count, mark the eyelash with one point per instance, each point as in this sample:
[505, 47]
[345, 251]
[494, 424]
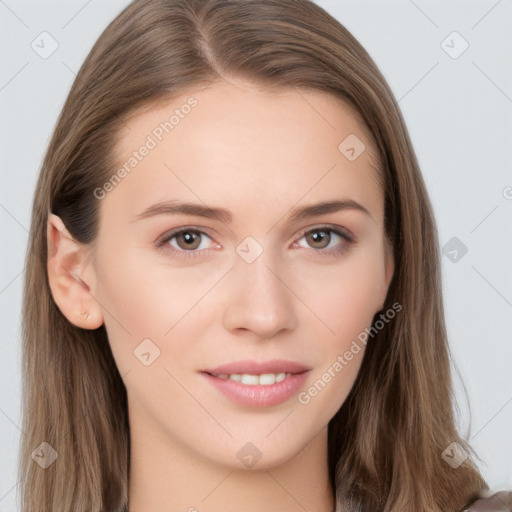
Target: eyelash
[161, 243]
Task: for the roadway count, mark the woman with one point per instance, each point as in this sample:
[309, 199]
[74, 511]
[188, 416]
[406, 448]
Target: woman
[203, 349]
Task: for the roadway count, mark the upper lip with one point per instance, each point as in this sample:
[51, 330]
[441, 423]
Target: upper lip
[258, 367]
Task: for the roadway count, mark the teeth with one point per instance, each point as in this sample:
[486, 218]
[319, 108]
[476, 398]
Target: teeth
[265, 379]
[249, 379]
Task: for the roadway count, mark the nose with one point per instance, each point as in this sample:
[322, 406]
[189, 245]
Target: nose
[259, 299]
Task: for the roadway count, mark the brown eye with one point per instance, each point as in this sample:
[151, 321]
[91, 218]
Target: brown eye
[319, 239]
[188, 240]
[326, 241]
[185, 243]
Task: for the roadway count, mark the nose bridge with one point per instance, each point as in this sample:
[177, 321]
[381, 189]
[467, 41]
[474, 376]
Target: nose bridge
[259, 299]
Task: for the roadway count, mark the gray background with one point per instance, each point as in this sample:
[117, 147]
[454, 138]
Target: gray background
[459, 115]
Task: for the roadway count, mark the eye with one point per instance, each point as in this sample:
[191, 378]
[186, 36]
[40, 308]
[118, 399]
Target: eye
[188, 242]
[321, 237]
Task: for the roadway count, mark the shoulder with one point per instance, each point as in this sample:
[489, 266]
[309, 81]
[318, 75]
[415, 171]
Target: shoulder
[498, 502]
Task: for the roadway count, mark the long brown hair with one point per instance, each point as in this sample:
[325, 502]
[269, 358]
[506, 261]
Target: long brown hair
[387, 439]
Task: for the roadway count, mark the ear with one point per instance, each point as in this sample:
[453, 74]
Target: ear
[71, 276]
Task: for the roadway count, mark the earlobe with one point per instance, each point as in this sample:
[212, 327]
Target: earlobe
[71, 276]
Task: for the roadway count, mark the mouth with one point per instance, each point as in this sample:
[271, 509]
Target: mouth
[247, 367]
[248, 379]
[252, 383]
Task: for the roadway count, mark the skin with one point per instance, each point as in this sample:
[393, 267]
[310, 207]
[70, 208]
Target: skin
[259, 154]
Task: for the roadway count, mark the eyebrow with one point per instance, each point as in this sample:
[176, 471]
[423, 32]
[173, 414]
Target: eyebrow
[176, 207]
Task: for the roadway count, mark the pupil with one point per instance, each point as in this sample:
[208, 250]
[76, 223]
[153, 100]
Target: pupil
[318, 236]
[189, 239]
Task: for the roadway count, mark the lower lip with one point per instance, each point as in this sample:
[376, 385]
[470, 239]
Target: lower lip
[258, 395]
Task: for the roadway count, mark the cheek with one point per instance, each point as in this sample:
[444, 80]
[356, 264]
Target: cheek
[154, 302]
[144, 295]
[130, 300]
[349, 305]
[345, 298]
[133, 307]
[346, 307]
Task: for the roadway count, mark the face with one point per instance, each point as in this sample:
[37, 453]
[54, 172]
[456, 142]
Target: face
[248, 275]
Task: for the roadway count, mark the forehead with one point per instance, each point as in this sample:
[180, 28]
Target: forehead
[235, 141]
[244, 110]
